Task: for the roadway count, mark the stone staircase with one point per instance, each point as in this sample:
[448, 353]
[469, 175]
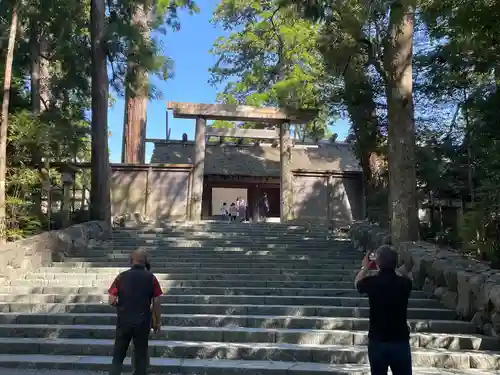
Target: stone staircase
[239, 298]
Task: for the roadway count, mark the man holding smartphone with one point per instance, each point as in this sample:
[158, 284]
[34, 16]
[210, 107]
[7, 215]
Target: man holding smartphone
[388, 293]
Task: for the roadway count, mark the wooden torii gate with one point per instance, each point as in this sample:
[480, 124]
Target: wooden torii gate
[273, 116]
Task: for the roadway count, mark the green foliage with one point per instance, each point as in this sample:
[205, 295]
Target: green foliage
[57, 34]
[270, 58]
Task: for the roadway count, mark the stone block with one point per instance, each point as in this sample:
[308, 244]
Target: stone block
[247, 335]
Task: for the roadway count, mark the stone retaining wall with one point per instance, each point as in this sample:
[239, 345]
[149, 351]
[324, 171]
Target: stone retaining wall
[470, 287]
[28, 254]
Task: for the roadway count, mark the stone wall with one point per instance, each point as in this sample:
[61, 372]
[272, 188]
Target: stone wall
[470, 287]
[28, 254]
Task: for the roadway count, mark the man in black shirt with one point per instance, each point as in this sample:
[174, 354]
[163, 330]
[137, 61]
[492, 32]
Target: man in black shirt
[132, 293]
[388, 293]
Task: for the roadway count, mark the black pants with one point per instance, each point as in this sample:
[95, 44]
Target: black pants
[396, 355]
[140, 336]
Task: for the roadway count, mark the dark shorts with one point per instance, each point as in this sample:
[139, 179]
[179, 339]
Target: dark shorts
[393, 355]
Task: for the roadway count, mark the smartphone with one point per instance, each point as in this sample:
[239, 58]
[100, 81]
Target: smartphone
[371, 257]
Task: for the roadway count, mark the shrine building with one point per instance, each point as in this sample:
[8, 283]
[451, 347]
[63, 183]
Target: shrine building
[190, 179]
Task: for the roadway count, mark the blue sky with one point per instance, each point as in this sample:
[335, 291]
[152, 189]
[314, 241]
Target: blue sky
[189, 49]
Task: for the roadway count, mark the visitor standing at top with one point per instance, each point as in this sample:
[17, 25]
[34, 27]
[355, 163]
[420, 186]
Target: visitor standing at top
[241, 207]
[223, 211]
[233, 211]
[264, 207]
[388, 293]
[132, 292]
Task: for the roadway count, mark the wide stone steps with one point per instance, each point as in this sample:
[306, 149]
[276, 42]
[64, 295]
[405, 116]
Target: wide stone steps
[58, 268]
[165, 284]
[227, 309]
[240, 321]
[162, 260]
[239, 298]
[239, 253]
[187, 269]
[257, 335]
[70, 365]
[218, 300]
[227, 251]
[341, 275]
[160, 264]
[229, 290]
[318, 353]
[200, 276]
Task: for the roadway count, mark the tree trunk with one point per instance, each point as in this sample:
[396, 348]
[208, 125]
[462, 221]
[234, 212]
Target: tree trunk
[136, 98]
[40, 97]
[468, 141]
[363, 113]
[5, 122]
[99, 192]
[358, 97]
[402, 174]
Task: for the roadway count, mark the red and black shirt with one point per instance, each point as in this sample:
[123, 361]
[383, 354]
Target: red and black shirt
[135, 288]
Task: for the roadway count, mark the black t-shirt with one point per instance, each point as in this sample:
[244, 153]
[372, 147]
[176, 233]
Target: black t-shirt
[388, 294]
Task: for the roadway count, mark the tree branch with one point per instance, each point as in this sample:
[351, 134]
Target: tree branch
[374, 59]
[281, 44]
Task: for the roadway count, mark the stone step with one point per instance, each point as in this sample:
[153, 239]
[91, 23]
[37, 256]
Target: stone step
[237, 235]
[165, 284]
[164, 273]
[327, 354]
[238, 238]
[227, 229]
[241, 321]
[107, 256]
[111, 263]
[69, 365]
[280, 246]
[211, 256]
[223, 227]
[217, 251]
[236, 252]
[214, 273]
[257, 335]
[228, 309]
[203, 290]
[219, 300]
[194, 275]
[231, 228]
[226, 242]
[260, 267]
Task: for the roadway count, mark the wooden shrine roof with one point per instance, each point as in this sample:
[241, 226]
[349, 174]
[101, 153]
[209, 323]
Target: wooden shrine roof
[262, 160]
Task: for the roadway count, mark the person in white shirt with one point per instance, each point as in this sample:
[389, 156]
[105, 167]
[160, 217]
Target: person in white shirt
[233, 211]
[223, 210]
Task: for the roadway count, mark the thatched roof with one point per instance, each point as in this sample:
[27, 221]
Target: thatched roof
[262, 160]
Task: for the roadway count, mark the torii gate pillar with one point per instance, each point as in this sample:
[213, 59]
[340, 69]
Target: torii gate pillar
[198, 170]
[286, 178]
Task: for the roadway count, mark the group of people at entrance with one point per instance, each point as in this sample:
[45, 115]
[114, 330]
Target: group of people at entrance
[135, 294]
[238, 211]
